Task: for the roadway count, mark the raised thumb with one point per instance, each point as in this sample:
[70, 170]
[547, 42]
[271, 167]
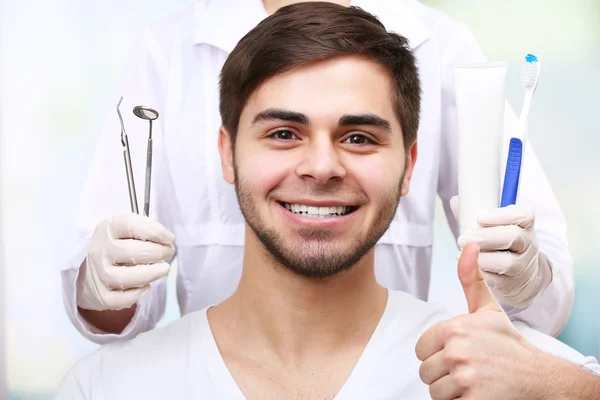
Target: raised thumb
[478, 294]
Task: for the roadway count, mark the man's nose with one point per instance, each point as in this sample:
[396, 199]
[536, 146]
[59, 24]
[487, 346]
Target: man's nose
[321, 161]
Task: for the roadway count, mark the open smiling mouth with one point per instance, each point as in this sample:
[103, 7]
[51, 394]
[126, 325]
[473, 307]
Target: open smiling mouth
[319, 212]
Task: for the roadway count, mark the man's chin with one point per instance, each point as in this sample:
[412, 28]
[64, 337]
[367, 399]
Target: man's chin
[321, 262]
[316, 271]
[313, 253]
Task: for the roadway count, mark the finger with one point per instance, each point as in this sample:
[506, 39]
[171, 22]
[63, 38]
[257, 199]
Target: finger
[506, 262]
[519, 214]
[430, 342]
[454, 206]
[511, 291]
[502, 263]
[134, 251]
[127, 277]
[122, 299]
[134, 226]
[504, 237]
[452, 386]
[433, 368]
[477, 293]
[498, 262]
[494, 269]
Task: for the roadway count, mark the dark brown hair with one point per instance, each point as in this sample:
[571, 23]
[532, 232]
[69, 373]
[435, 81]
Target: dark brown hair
[304, 33]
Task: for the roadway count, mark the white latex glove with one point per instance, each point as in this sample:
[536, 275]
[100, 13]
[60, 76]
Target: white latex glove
[126, 253]
[510, 259]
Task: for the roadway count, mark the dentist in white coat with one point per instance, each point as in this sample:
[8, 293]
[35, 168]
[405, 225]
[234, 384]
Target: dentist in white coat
[114, 284]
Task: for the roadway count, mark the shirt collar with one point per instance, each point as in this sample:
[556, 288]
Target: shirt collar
[222, 23]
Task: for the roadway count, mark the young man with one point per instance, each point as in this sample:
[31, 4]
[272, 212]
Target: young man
[175, 69]
[320, 108]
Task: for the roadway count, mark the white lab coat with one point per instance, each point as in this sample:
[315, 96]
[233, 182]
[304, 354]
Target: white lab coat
[175, 68]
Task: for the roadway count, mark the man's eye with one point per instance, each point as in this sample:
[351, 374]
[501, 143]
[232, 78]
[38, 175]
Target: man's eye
[358, 139]
[283, 135]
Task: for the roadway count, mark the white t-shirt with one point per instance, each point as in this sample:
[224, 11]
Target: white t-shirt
[182, 361]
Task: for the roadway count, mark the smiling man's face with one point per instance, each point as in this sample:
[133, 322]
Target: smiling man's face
[319, 164]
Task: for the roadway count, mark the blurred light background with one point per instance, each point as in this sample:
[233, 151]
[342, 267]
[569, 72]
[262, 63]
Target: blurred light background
[60, 61]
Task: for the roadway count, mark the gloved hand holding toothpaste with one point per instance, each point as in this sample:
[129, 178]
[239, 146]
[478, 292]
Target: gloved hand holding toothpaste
[510, 259]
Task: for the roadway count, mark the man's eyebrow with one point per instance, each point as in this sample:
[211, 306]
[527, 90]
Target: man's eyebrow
[365, 119]
[277, 114]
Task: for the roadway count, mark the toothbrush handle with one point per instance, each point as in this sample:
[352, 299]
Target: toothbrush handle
[512, 174]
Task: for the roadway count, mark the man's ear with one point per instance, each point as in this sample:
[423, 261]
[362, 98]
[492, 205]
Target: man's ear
[226, 153]
[411, 159]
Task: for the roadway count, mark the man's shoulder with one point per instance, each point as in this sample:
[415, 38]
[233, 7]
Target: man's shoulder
[555, 347]
[395, 364]
[414, 315]
[167, 339]
[143, 360]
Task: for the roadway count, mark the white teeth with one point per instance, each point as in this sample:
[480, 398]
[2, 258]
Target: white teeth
[317, 212]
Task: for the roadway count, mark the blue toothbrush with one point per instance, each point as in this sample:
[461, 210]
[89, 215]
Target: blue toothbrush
[530, 75]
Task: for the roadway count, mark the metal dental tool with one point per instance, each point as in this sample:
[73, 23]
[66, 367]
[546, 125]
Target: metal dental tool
[150, 115]
[128, 167]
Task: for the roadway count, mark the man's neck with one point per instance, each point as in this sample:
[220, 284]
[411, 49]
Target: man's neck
[273, 5]
[299, 318]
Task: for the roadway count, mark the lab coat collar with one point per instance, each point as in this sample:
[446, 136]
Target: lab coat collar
[222, 23]
[398, 16]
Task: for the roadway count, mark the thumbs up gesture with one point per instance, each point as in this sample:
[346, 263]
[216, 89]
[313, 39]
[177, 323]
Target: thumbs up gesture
[479, 355]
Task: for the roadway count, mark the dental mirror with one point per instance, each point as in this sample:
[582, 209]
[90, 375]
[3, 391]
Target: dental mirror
[145, 113]
[149, 115]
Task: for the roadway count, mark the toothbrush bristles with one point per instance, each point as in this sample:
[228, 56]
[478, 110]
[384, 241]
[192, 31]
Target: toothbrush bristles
[530, 71]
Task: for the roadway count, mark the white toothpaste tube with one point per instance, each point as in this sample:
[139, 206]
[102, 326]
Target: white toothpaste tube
[480, 99]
